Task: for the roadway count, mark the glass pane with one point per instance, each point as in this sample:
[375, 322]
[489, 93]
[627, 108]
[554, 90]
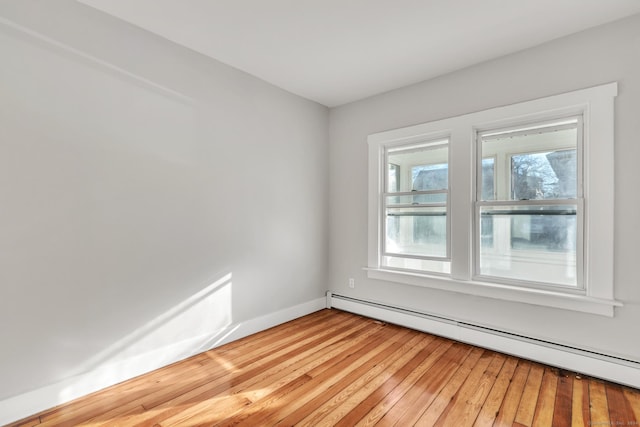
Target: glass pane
[421, 232]
[549, 175]
[486, 231]
[533, 243]
[420, 167]
[393, 178]
[488, 178]
[537, 163]
[430, 177]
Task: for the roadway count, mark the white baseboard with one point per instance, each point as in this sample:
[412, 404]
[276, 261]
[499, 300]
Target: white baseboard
[33, 402]
[596, 365]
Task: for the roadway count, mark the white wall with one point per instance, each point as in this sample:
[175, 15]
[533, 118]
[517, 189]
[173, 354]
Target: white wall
[149, 196]
[601, 55]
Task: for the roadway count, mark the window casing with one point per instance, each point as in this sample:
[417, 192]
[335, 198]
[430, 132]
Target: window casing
[530, 183]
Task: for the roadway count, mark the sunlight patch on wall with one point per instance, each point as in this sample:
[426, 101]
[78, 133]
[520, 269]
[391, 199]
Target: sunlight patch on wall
[186, 329]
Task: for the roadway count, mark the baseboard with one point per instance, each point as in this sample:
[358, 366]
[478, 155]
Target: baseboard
[597, 365]
[33, 402]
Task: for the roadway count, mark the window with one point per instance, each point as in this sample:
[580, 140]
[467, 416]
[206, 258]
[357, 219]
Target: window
[513, 203]
[416, 228]
[530, 228]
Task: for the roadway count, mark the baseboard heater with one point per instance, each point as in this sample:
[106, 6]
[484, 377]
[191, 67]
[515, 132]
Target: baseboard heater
[599, 365]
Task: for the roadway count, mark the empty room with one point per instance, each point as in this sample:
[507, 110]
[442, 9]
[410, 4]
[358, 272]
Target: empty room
[324, 212]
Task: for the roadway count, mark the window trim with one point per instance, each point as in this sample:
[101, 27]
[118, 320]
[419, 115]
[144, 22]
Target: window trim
[596, 106]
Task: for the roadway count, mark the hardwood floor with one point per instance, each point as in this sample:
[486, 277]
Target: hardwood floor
[333, 368]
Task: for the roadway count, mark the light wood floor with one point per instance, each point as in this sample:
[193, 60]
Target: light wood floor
[335, 368]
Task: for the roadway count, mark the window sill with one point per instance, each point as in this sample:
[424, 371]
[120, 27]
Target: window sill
[546, 298]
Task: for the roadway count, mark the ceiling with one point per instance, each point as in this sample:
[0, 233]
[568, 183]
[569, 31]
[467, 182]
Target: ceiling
[338, 51]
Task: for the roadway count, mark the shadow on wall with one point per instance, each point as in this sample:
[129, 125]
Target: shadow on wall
[196, 324]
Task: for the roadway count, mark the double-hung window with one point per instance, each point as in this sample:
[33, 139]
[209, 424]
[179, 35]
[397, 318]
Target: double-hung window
[416, 225]
[529, 209]
[513, 203]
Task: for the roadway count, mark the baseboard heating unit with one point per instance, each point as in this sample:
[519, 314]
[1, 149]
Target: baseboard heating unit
[573, 359]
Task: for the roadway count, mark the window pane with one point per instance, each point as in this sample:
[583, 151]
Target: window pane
[420, 167]
[543, 232]
[488, 178]
[533, 243]
[537, 163]
[549, 175]
[418, 232]
[430, 177]
[393, 180]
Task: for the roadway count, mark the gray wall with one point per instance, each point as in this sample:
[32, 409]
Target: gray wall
[134, 174]
[601, 55]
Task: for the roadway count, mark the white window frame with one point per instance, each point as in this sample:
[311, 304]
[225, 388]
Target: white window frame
[415, 145]
[596, 107]
[578, 201]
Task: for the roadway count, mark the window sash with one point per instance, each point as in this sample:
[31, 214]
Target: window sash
[579, 287]
[551, 124]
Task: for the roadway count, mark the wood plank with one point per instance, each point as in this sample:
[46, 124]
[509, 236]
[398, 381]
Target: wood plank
[633, 397]
[238, 379]
[322, 402]
[529, 399]
[564, 401]
[112, 417]
[274, 398]
[419, 398]
[433, 354]
[546, 399]
[620, 411]
[465, 405]
[348, 400]
[511, 401]
[580, 415]
[386, 382]
[431, 415]
[252, 343]
[491, 406]
[243, 355]
[27, 422]
[102, 410]
[210, 410]
[249, 349]
[598, 403]
[327, 379]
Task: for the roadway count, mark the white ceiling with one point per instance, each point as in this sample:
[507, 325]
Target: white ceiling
[338, 51]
